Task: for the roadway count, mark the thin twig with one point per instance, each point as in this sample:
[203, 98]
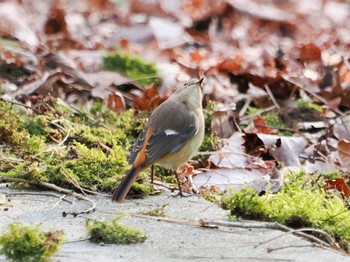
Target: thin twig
[20, 104]
[318, 97]
[193, 186]
[72, 180]
[245, 107]
[223, 153]
[65, 138]
[270, 108]
[159, 183]
[331, 241]
[59, 201]
[270, 249]
[78, 240]
[273, 99]
[57, 189]
[11, 159]
[38, 194]
[265, 225]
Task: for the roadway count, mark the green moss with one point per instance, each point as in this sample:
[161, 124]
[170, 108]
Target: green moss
[114, 233]
[141, 190]
[36, 126]
[124, 125]
[299, 203]
[156, 212]
[29, 243]
[134, 67]
[305, 104]
[12, 71]
[272, 119]
[246, 204]
[94, 146]
[164, 174]
[12, 131]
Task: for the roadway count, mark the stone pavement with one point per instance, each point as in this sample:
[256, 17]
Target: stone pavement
[177, 237]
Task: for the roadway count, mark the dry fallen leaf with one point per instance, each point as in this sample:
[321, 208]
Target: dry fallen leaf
[340, 185]
[116, 102]
[149, 100]
[261, 126]
[310, 52]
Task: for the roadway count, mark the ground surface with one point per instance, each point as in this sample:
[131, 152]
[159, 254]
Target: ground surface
[178, 239]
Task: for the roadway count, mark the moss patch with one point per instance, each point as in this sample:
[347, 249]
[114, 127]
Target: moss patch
[29, 243]
[273, 120]
[300, 203]
[156, 212]
[132, 66]
[114, 233]
[69, 148]
[305, 104]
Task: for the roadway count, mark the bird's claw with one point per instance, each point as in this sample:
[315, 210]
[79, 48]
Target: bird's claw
[181, 194]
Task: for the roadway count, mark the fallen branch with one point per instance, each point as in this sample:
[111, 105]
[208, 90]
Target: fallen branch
[55, 188]
[277, 226]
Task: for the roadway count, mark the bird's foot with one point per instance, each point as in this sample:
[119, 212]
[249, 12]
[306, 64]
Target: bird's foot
[181, 194]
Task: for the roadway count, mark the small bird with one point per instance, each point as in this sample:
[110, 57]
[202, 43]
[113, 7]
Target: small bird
[171, 137]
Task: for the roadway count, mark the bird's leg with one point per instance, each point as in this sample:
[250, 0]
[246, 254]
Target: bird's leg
[152, 172]
[179, 185]
[181, 193]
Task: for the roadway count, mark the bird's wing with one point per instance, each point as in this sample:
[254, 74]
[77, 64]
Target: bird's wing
[158, 138]
[162, 143]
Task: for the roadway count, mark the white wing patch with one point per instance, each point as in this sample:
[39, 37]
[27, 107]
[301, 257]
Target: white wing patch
[170, 132]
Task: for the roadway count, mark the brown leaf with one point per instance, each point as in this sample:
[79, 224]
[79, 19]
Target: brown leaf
[310, 52]
[340, 185]
[261, 127]
[100, 5]
[116, 102]
[232, 65]
[56, 21]
[149, 100]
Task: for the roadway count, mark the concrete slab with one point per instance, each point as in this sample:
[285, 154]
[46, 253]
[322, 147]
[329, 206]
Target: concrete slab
[179, 239]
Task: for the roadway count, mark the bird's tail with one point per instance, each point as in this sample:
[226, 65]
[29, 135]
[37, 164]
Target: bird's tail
[122, 190]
